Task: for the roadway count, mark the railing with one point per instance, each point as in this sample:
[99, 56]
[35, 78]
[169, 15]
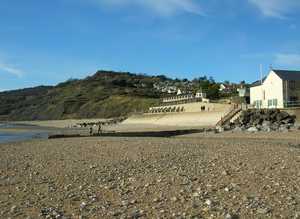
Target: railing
[236, 109]
[291, 104]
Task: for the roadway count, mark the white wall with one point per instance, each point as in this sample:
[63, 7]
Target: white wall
[256, 94]
[271, 89]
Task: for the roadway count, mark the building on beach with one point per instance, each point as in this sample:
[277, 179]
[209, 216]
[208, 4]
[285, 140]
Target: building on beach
[184, 97]
[280, 89]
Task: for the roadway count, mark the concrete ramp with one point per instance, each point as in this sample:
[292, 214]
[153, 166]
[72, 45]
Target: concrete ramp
[202, 119]
[195, 115]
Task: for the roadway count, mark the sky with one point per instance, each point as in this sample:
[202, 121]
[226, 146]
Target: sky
[47, 42]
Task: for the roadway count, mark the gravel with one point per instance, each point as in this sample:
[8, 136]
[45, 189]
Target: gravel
[215, 176]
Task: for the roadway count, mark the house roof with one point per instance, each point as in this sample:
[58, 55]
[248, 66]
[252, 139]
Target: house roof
[288, 75]
[258, 83]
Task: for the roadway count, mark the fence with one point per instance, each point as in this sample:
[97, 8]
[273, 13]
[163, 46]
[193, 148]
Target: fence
[289, 104]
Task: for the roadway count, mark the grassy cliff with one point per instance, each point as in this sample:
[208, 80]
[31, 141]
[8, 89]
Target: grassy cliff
[105, 94]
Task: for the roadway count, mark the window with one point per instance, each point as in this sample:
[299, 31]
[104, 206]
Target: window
[257, 104]
[292, 85]
[293, 99]
[275, 102]
[270, 103]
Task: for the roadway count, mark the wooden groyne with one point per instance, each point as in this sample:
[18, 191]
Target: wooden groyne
[133, 134]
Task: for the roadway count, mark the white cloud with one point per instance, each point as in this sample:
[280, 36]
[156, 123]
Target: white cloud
[287, 59]
[276, 8]
[161, 7]
[11, 69]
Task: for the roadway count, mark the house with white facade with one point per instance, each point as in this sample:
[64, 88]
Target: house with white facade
[280, 89]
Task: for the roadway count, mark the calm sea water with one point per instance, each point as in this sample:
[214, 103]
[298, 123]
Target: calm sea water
[21, 136]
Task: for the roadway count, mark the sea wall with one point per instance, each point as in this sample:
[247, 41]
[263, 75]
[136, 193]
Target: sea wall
[192, 116]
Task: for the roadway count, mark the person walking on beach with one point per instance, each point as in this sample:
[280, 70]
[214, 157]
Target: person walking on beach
[99, 129]
[91, 130]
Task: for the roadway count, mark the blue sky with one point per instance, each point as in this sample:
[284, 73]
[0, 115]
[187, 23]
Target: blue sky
[46, 42]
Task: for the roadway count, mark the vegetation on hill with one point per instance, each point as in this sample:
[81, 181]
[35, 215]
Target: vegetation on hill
[105, 94]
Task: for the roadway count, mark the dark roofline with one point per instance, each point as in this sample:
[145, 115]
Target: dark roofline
[258, 82]
[288, 75]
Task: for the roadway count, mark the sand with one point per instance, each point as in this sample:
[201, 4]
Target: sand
[67, 123]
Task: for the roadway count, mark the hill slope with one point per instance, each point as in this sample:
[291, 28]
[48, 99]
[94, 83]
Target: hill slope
[105, 94]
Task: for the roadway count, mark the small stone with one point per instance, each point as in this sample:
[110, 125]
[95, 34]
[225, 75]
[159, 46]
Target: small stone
[228, 216]
[136, 214]
[13, 209]
[208, 202]
[196, 194]
[133, 201]
[83, 205]
[297, 215]
[156, 200]
[224, 173]
[263, 210]
[174, 199]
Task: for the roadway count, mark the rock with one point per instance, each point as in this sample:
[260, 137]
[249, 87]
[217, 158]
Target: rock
[265, 120]
[238, 129]
[220, 129]
[252, 129]
[283, 129]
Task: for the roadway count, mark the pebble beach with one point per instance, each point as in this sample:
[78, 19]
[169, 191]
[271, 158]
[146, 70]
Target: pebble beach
[195, 176]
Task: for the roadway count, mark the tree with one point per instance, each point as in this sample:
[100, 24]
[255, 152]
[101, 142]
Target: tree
[162, 77]
[211, 79]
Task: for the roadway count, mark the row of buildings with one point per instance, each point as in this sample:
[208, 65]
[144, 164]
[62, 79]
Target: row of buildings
[279, 89]
[184, 97]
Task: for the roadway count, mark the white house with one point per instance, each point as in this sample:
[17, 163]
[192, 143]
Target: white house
[280, 89]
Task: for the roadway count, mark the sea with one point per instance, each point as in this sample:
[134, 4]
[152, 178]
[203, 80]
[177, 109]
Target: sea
[8, 136]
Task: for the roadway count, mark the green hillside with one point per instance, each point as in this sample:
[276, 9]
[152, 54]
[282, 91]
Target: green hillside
[105, 94]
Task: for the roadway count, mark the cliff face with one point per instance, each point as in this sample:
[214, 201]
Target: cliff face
[105, 94]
